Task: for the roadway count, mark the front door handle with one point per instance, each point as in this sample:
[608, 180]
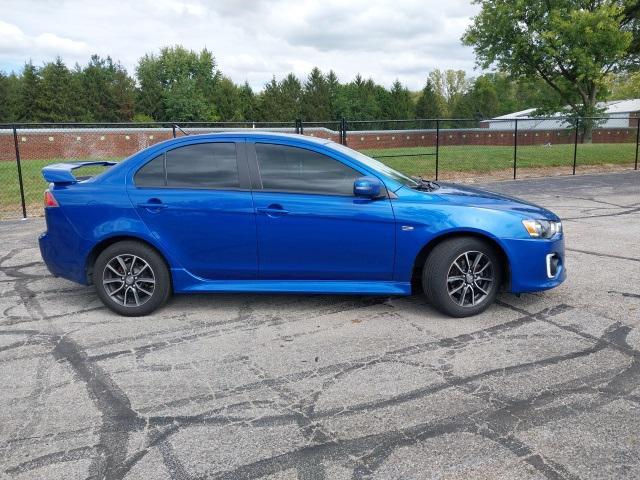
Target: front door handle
[273, 210]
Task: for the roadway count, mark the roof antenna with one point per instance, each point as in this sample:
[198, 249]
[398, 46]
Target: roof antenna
[183, 132]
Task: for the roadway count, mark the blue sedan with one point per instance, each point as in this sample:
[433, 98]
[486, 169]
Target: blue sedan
[266, 212]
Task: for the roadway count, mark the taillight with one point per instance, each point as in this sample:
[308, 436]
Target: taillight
[49, 200]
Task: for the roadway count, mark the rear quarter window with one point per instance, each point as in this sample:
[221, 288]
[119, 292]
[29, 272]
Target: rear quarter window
[151, 174]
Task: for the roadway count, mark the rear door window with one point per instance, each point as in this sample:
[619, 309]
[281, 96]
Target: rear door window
[201, 165]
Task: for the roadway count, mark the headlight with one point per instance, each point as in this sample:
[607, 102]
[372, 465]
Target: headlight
[542, 228]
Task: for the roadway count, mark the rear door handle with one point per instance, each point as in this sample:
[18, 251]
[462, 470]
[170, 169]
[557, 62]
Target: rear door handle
[153, 205]
[272, 210]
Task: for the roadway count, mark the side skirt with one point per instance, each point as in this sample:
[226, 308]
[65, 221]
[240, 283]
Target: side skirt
[184, 282]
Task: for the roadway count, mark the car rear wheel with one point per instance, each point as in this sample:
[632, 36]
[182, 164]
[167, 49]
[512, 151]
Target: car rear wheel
[462, 276]
[131, 278]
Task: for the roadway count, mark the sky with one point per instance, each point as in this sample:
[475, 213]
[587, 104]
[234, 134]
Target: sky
[251, 40]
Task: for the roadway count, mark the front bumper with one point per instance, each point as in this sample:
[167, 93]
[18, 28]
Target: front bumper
[535, 264]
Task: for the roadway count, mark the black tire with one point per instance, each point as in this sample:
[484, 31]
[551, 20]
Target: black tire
[120, 264]
[439, 269]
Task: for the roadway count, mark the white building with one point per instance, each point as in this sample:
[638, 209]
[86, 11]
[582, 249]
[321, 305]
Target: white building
[619, 113]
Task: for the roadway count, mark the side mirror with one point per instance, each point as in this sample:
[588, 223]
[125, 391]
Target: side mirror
[367, 187]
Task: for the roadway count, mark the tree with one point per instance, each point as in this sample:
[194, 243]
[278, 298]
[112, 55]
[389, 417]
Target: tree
[142, 118]
[399, 104]
[382, 100]
[430, 104]
[623, 86]
[280, 101]
[570, 44]
[248, 102]
[59, 93]
[151, 93]
[108, 91]
[333, 87]
[13, 86]
[450, 84]
[5, 109]
[123, 90]
[359, 100]
[316, 99]
[480, 101]
[291, 91]
[184, 101]
[269, 100]
[178, 84]
[228, 101]
[29, 94]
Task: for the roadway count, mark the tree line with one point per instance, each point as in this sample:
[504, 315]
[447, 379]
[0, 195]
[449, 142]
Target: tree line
[178, 84]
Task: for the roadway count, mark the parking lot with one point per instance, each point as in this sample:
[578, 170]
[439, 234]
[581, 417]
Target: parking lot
[336, 387]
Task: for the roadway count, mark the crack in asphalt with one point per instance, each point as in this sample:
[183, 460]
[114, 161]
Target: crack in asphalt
[599, 254]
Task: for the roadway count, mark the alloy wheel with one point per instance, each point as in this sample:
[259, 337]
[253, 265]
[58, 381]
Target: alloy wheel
[128, 280]
[470, 278]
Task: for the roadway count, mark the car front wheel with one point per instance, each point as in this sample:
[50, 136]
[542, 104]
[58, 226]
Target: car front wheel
[462, 276]
[131, 278]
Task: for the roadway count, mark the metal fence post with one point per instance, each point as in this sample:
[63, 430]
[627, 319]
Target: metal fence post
[437, 146]
[297, 125]
[20, 182]
[343, 130]
[637, 140]
[515, 150]
[575, 146]
[173, 127]
[301, 127]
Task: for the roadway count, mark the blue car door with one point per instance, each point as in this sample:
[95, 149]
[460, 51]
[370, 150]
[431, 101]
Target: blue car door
[196, 200]
[310, 225]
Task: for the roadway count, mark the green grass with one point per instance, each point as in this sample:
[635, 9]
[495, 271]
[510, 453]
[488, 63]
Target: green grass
[469, 160]
[482, 159]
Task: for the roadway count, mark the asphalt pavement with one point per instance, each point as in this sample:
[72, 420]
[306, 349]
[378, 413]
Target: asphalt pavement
[541, 386]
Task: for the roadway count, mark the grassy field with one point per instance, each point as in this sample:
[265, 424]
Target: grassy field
[482, 159]
[461, 161]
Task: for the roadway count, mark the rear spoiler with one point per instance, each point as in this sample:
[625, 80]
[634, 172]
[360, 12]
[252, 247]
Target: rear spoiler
[61, 173]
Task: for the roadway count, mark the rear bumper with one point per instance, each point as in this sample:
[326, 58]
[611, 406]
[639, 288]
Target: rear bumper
[62, 249]
[536, 264]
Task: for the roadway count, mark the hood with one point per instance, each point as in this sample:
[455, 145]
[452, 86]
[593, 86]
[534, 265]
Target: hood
[477, 197]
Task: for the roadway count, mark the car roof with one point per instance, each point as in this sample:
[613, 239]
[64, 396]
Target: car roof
[231, 134]
[265, 135]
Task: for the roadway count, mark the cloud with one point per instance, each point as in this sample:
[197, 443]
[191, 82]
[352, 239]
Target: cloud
[14, 40]
[251, 39]
[181, 8]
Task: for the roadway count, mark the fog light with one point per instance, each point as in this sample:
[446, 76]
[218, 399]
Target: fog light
[553, 264]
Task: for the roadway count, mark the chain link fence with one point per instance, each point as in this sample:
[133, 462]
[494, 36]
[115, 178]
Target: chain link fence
[465, 150]
[473, 150]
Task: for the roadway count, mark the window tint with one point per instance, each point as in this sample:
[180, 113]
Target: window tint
[204, 165]
[151, 174]
[298, 170]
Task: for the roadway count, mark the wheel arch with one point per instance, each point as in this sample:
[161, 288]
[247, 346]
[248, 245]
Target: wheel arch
[99, 247]
[424, 252]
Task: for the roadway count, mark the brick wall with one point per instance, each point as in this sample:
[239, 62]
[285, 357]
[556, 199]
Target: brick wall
[119, 143]
[481, 136]
[79, 143]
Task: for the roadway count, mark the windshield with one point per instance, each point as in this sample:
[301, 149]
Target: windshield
[376, 165]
